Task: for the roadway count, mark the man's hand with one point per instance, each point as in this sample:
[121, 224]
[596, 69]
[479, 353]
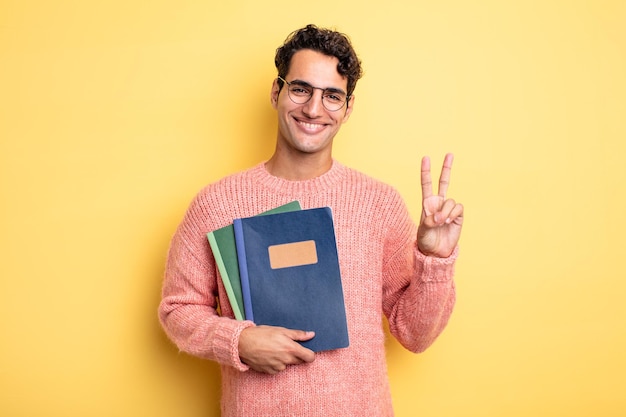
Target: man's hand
[270, 349]
[440, 225]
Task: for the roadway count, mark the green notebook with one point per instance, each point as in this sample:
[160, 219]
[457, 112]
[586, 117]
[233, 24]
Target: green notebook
[222, 243]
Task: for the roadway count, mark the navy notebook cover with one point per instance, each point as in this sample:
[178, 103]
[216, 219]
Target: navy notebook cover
[290, 274]
[222, 243]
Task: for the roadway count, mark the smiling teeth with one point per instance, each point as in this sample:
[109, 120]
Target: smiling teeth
[311, 125]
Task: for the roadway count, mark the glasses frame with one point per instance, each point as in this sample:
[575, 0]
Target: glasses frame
[304, 84]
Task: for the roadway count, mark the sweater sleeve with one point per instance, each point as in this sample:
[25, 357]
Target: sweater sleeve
[188, 308]
[419, 292]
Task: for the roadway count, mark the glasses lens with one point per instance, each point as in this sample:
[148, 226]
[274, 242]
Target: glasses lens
[333, 101]
[300, 94]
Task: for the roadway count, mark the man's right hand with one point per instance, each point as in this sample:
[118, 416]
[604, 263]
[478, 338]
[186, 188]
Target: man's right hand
[270, 349]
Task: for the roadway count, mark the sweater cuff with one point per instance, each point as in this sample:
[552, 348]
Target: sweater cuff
[437, 269]
[226, 344]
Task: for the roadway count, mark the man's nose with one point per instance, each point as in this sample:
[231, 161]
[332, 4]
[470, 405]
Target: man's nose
[315, 106]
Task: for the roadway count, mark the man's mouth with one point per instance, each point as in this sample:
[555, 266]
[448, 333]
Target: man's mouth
[311, 127]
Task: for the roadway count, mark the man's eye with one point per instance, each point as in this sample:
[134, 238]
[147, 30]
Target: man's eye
[301, 91]
[335, 98]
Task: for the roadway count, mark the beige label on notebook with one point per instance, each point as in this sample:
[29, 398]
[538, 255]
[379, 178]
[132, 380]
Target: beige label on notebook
[293, 254]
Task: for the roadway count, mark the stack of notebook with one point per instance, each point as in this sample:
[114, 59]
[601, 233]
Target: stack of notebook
[281, 268]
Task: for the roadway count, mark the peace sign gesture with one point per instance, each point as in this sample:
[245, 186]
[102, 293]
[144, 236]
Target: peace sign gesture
[440, 225]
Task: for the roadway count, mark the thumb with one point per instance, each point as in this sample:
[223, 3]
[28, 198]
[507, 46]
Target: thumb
[301, 335]
[430, 221]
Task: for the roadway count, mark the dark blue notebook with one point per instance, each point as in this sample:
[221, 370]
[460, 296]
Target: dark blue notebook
[290, 275]
[222, 243]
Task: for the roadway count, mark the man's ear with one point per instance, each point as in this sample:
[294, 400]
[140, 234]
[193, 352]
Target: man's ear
[274, 93]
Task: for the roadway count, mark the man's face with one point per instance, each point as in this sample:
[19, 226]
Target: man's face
[310, 127]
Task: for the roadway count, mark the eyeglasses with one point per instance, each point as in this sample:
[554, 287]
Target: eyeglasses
[300, 92]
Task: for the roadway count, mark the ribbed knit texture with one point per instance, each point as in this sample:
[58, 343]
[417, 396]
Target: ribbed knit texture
[382, 273]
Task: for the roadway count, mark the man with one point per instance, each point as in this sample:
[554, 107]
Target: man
[388, 265]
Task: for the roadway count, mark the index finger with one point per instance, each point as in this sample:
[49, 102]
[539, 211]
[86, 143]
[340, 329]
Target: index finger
[427, 183]
[444, 178]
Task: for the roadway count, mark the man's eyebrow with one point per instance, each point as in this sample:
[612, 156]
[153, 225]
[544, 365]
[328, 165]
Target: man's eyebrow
[300, 82]
[335, 90]
[329, 89]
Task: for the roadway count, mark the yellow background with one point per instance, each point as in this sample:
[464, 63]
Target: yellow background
[114, 113]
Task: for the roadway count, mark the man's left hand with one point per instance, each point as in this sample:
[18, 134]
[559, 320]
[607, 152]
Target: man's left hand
[442, 218]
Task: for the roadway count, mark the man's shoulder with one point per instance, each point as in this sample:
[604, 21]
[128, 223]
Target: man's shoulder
[229, 180]
[214, 195]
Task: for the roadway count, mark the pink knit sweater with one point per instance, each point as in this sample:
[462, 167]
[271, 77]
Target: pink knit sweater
[382, 273]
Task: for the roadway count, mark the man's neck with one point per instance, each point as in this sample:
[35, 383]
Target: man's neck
[299, 168]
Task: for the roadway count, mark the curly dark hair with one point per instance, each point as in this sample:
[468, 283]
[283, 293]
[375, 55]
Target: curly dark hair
[326, 41]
